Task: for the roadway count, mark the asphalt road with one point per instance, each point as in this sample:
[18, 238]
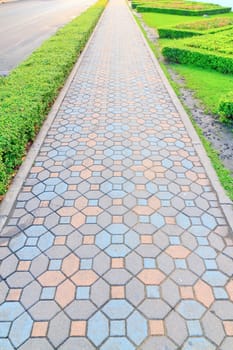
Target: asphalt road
[25, 24]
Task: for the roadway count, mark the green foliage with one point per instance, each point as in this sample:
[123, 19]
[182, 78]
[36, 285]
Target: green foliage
[219, 42]
[206, 26]
[226, 105]
[28, 92]
[212, 51]
[147, 8]
[181, 7]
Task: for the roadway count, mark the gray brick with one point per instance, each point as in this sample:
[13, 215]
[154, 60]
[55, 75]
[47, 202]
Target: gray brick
[36, 343]
[170, 292]
[59, 329]
[44, 310]
[101, 263]
[135, 291]
[223, 309]
[100, 292]
[213, 328]
[176, 328]
[30, 294]
[158, 343]
[154, 309]
[117, 276]
[80, 309]
[8, 266]
[76, 343]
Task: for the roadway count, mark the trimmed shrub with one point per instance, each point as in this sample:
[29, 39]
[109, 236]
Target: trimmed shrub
[226, 105]
[208, 51]
[182, 12]
[202, 27]
[29, 91]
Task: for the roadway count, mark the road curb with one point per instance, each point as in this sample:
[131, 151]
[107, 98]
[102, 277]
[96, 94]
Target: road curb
[8, 202]
[224, 201]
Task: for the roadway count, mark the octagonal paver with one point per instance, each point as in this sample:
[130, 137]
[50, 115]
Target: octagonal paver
[117, 239]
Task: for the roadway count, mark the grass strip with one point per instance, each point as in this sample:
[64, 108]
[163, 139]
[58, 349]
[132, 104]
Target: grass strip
[27, 94]
[224, 175]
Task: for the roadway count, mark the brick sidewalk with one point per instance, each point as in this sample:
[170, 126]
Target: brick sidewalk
[118, 241]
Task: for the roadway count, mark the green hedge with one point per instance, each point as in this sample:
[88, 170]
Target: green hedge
[29, 91]
[175, 33]
[182, 12]
[226, 105]
[212, 51]
[200, 58]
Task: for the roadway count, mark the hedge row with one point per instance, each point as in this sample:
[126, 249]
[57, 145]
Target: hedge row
[212, 51]
[28, 92]
[182, 12]
[175, 33]
[199, 57]
[226, 105]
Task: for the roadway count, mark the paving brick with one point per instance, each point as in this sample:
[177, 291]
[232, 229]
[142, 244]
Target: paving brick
[176, 328]
[117, 240]
[154, 309]
[100, 292]
[170, 292]
[158, 343]
[44, 310]
[31, 294]
[36, 343]
[59, 329]
[213, 328]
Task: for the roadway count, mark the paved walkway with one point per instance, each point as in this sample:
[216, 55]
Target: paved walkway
[117, 239]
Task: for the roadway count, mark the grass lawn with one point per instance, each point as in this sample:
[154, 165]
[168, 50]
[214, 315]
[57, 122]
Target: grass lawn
[156, 20]
[206, 84]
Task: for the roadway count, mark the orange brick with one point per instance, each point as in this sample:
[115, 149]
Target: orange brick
[39, 329]
[117, 263]
[204, 293]
[117, 219]
[84, 278]
[94, 187]
[51, 278]
[38, 221]
[186, 292]
[170, 220]
[151, 276]
[44, 204]
[65, 293]
[24, 265]
[60, 240]
[117, 292]
[70, 264]
[178, 251]
[156, 327]
[14, 294]
[146, 239]
[54, 174]
[117, 201]
[88, 239]
[229, 288]
[78, 328]
[228, 325]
